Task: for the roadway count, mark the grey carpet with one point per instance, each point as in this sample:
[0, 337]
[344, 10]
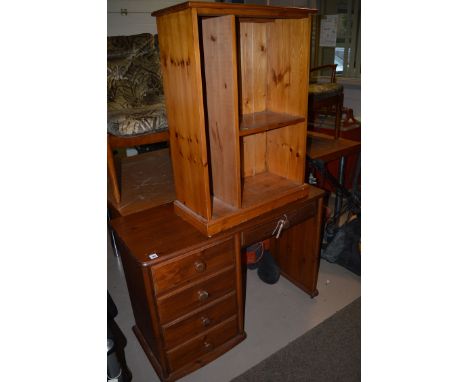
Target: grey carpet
[327, 353]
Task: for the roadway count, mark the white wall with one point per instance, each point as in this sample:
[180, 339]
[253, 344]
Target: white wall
[352, 98]
[138, 19]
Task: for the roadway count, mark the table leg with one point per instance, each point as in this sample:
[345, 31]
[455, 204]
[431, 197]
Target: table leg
[111, 233]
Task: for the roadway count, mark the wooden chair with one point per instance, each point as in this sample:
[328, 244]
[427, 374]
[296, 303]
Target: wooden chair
[325, 98]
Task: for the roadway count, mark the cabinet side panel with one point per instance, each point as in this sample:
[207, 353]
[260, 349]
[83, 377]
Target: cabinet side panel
[253, 89]
[253, 66]
[253, 154]
[288, 66]
[181, 68]
[143, 304]
[220, 61]
[297, 254]
[286, 152]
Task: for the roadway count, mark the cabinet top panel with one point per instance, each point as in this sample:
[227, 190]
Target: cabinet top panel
[247, 10]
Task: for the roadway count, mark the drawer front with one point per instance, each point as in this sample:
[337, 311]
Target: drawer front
[174, 305]
[202, 344]
[181, 331]
[269, 227]
[184, 270]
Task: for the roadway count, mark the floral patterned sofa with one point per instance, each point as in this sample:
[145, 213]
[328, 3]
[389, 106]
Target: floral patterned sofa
[135, 99]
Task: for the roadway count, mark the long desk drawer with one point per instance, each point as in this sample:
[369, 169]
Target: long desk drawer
[175, 305]
[186, 269]
[270, 225]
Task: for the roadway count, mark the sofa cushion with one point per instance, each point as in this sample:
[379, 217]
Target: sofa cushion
[325, 90]
[141, 120]
[134, 76]
[126, 46]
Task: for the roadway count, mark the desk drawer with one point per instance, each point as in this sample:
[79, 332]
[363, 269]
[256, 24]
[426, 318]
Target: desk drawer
[181, 302]
[265, 229]
[184, 270]
[203, 344]
[181, 331]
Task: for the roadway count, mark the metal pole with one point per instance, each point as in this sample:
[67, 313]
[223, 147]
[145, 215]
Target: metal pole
[357, 172]
[339, 196]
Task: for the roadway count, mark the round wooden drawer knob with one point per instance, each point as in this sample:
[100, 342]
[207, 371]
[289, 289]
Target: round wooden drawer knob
[207, 345]
[205, 321]
[200, 266]
[202, 295]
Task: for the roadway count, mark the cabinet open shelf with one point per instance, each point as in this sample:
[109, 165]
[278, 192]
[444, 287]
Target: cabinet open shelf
[236, 88]
[262, 121]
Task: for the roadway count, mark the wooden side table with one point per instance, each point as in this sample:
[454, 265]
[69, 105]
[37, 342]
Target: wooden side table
[326, 148]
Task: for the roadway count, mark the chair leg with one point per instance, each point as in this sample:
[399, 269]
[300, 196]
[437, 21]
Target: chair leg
[339, 110]
[112, 237]
[112, 173]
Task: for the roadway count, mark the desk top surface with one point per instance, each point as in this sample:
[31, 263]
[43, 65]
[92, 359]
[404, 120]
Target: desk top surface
[159, 230]
[326, 148]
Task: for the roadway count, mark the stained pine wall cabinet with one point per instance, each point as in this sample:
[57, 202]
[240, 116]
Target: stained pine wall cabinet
[236, 86]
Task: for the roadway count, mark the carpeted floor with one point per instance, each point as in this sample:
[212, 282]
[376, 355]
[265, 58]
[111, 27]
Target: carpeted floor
[330, 352]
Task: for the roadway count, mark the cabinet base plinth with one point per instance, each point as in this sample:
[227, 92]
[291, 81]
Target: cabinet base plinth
[226, 220]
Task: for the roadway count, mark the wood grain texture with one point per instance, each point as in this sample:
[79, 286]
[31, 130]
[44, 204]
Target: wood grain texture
[159, 230]
[183, 301]
[188, 268]
[297, 255]
[147, 182]
[181, 68]
[239, 284]
[253, 87]
[137, 140]
[220, 65]
[266, 120]
[288, 66]
[288, 73]
[273, 62]
[253, 64]
[261, 193]
[190, 367]
[217, 9]
[286, 152]
[113, 189]
[253, 154]
[264, 230]
[140, 289]
[205, 343]
[199, 321]
[324, 147]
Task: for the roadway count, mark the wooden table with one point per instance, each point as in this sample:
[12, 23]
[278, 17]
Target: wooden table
[326, 148]
[146, 182]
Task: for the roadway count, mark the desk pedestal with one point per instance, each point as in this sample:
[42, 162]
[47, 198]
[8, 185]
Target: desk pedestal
[187, 290]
